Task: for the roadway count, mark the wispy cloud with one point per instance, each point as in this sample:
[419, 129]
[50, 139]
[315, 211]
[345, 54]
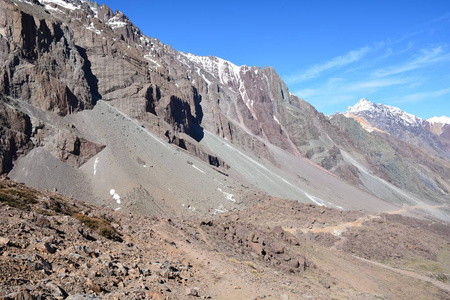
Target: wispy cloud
[425, 57]
[339, 61]
[422, 96]
[422, 28]
[339, 86]
[377, 83]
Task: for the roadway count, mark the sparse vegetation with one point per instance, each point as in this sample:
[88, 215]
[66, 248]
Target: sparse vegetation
[20, 199]
[250, 264]
[100, 225]
[234, 260]
[15, 196]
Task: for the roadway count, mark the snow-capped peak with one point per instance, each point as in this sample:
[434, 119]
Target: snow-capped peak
[362, 105]
[443, 120]
[367, 108]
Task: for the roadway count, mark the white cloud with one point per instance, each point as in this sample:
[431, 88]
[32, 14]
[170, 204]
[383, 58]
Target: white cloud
[378, 83]
[339, 86]
[422, 96]
[426, 57]
[339, 61]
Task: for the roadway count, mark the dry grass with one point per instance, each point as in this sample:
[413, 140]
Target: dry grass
[250, 264]
[14, 195]
[21, 199]
[100, 225]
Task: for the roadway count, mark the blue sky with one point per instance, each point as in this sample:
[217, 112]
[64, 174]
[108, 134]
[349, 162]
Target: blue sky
[330, 53]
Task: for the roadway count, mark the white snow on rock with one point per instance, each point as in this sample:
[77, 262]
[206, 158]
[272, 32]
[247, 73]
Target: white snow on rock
[114, 23]
[115, 195]
[48, 7]
[195, 167]
[228, 196]
[220, 210]
[149, 58]
[443, 120]
[92, 28]
[315, 199]
[95, 165]
[276, 120]
[226, 72]
[59, 3]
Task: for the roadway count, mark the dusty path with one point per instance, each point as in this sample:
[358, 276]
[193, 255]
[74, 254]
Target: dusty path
[338, 229]
[334, 229]
[409, 208]
[439, 284]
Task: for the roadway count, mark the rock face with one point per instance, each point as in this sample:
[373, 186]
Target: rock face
[15, 129]
[40, 62]
[61, 57]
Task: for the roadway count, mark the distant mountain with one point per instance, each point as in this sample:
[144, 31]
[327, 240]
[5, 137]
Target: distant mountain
[385, 116]
[407, 127]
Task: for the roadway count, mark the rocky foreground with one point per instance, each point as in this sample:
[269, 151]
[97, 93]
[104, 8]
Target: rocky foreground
[56, 247]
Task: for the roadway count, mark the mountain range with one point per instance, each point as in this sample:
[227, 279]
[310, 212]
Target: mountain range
[95, 110]
[64, 60]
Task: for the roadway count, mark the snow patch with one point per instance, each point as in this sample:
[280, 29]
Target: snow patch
[95, 165]
[115, 196]
[51, 8]
[148, 57]
[276, 120]
[228, 196]
[198, 169]
[225, 71]
[61, 3]
[315, 200]
[115, 22]
[92, 28]
[220, 210]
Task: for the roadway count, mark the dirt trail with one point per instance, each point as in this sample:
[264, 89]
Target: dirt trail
[406, 209]
[439, 284]
[335, 229]
[215, 272]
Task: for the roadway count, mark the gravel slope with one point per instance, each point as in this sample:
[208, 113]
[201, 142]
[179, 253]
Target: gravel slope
[141, 173]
